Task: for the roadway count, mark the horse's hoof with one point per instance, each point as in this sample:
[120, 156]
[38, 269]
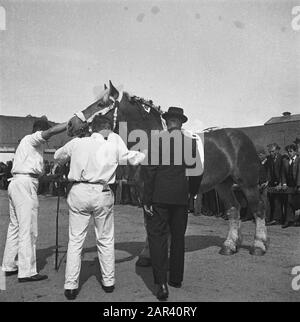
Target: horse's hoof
[143, 262]
[226, 251]
[255, 251]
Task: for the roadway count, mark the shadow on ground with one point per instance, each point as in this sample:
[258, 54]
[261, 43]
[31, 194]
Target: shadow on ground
[91, 268]
[192, 243]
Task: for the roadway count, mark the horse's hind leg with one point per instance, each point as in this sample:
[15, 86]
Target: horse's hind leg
[257, 207]
[234, 238]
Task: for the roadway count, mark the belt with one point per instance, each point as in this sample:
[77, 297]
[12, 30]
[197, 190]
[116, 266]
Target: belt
[104, 184]
[32, 175]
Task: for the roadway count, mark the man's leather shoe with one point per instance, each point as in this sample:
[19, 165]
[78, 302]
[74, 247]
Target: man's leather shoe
[11, 273]
[34, 278]
[71, 294]
[163, 292]
[175, 284]
[108, 289]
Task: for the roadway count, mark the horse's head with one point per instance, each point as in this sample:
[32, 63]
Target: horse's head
[77, 124]
[136, 112]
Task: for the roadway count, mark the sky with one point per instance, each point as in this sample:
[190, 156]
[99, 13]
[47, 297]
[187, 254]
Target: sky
[227, 63]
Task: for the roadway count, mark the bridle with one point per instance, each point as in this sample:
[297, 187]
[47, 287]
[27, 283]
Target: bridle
[147, 105]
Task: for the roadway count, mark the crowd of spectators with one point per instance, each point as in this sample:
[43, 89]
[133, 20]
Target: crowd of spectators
[54, 182]
[5, 174]
[283, 184]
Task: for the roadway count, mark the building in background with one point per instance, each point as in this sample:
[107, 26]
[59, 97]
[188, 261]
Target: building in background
[282, 129]
[14, 128]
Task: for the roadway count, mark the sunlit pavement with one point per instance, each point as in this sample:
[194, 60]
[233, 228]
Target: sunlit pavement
[208, 275]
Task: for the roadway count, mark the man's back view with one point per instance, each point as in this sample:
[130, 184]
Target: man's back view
[93, 164]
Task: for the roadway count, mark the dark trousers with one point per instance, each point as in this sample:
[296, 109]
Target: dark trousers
[276, 204]
[292, 203]
[167, 219]
[289, 209]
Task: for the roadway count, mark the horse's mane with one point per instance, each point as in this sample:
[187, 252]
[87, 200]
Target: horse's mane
[148, 103]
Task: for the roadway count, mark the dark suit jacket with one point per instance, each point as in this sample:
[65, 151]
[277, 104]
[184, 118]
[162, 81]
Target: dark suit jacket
[168, 184]
[275, 170]
[264, 174]
[294, 180]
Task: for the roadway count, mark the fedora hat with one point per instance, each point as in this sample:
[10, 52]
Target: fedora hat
[175, 111]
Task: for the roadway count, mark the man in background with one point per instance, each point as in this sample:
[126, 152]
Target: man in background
[264, 177]
[297, 142]
[274, 168]
[291, 182]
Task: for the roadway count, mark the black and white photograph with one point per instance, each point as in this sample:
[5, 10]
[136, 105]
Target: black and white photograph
[149, 153]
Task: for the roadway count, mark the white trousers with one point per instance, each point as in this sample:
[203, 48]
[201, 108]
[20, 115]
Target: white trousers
[85, 200]
[23, 228]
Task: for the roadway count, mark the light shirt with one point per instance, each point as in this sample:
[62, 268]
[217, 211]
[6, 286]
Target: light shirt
[292, 159]
[28, 158]
[95, 159]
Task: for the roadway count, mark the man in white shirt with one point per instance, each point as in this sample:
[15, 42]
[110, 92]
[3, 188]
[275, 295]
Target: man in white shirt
[23, 203]
[93, 164]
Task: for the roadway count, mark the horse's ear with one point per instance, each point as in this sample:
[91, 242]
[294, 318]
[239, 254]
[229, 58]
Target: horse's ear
[105, 87]
[113, 91]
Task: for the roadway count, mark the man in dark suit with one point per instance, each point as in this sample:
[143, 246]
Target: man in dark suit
[297, 142]
[274, 165]
[166, 195]
[291, 181]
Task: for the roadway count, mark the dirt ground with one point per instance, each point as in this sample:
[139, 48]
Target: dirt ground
[208, 275]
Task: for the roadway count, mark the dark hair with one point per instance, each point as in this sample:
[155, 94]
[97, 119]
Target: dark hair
[291, 147]
[101, 122]
[40, 125]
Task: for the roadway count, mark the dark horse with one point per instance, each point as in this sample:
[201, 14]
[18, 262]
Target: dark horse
[230, 158]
